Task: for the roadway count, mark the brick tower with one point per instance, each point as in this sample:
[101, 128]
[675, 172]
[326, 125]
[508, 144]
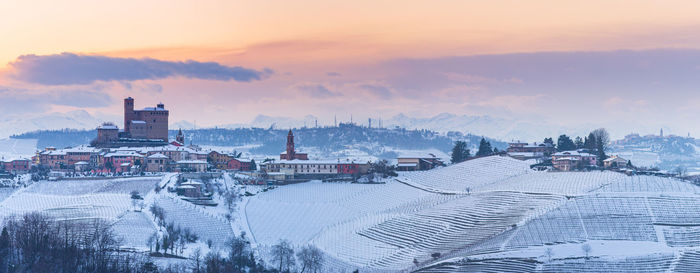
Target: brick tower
[129, 114]
[290, 145]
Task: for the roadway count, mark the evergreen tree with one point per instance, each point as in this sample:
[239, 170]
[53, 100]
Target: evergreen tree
[460, 152]
[4, 249]
[253, 166]
[564, 143]
[600, 153]
[485, 148]
[549, 140]
[590, 142]
[602, 138]
[578, 142]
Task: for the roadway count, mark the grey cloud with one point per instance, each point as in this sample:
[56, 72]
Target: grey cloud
[69, 68]
[317, 90]
[15, 100]
[80, 98]
[377, 90]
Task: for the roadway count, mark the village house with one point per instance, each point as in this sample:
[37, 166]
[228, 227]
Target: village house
[315, 169]
[525, 151]
[122, 161]
[192, 189]
[192, 165]
[418, 163]
[573, 160]
[219, 160]
[157, 163]
[16, 166]
[240, 164]
[615, 162]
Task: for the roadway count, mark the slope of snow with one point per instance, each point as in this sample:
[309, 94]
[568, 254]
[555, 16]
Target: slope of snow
[467, 176]
[206, 224]
[133, 229]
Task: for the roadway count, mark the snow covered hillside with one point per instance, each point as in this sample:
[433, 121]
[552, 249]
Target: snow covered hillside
[107, 199]
[489, 214]
[510, 219]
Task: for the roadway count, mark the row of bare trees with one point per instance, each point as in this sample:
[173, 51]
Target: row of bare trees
[37, 243]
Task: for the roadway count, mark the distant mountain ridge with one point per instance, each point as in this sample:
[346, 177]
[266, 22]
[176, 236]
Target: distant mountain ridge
[79, 119]
[504, 129]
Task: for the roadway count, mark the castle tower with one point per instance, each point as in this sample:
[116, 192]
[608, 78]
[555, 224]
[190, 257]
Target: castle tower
[180, 137]
[290, 145]
[129, 114]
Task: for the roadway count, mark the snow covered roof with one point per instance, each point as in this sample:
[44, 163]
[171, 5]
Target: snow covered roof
[158, 156]
[572, 153]
[124, 153]
[305, 162]
[191, 162]
[524, 154]
[81, 149]
[186, 187]
[569, 158]
[166, 148]
[615, 159]
[81, 163]
[107, 127]
[408, 164]
[191, 183]
[125, 164]
[153, 109]
[54, 152]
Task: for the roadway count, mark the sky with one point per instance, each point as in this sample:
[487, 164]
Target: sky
[630, 66]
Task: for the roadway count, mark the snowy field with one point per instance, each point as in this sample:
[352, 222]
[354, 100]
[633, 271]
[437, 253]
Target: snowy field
[77, 199]
[491, 214]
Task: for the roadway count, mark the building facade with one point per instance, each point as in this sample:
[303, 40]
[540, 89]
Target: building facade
[149, 123]
[573, 160]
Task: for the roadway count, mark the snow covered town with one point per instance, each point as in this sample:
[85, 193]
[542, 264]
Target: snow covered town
[551, 207]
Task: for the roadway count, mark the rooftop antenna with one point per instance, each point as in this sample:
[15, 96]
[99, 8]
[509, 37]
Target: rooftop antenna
[335, 120]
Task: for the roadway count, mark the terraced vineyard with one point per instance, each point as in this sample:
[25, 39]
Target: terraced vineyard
[489, 215]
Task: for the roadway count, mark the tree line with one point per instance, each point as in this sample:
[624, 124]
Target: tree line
[597, 142]
[461, 151]
[35, 242]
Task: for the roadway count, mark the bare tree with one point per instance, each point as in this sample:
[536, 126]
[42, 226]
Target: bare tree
[196, 259]
[239, 249]
[602, 138]
[283, 255]
[152, 240]
[549, 252]
[586, 249]
[231, 197]
[311, 258]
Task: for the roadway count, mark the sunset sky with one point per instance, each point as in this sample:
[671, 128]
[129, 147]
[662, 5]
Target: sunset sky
[593, 63]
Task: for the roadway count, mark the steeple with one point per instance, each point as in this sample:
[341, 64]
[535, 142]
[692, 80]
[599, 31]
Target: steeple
[180, 137]
[290, 145]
